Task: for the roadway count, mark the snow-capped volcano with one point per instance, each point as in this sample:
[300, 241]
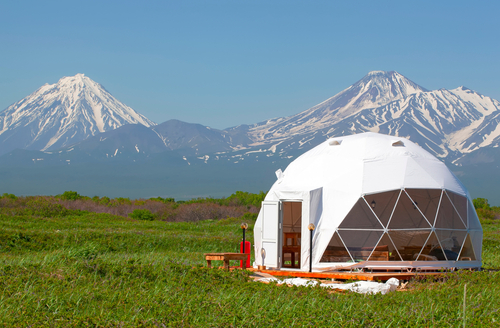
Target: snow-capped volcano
[377, 88]
[448, 123]
[64, 113]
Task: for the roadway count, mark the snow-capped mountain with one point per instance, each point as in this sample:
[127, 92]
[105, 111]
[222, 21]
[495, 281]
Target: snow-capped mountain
[378, 88]
[64, 113]
[460, 126]
[448, 123]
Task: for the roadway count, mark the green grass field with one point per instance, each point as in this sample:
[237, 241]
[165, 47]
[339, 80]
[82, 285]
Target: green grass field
[83, 269]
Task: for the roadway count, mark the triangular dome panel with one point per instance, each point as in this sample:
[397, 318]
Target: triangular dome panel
[360, 243]
[448, 217]
[432, 250]
[451, 241]
[385, 250]
[375, 175]
[383, 204]
[467, 253]
[472, 218]
[477, 242]
[409, 243]
[427, 201]
[407, 215]
[460, 204]
[360, 217]
[335, 251]
[418, 176]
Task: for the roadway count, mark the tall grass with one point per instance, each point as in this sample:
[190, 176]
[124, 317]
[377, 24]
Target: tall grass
[99, 269]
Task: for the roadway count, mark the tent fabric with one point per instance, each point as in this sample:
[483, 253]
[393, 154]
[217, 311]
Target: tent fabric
[410, 186]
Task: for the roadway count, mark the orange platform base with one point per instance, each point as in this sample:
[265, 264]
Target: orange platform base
[344, 275]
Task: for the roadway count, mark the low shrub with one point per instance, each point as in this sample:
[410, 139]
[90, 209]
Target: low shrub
[141, 214]
[41, 206]
[10, 196]
[70, 195]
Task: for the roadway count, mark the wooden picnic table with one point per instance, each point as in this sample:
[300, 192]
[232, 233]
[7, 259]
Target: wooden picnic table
[226, 257]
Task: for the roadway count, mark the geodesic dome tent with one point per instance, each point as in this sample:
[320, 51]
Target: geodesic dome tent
[376, 201]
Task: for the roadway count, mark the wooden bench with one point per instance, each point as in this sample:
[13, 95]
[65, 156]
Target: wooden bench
[226, 257]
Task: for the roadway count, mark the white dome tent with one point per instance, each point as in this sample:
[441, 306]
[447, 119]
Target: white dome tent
[376, 201]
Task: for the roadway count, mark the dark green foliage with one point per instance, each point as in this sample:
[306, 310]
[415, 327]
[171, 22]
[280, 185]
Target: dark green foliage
[480, 203]
[247, 199]
[70, 195]
[41, 206]
[121, 200]
[163, 200]
[104, 200]
[484, 210]
[139, 214]
[239, 198]
[249, 217]
[10, 196]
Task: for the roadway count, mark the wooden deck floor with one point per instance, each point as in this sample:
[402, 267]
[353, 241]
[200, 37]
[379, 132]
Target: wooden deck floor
[345, 275]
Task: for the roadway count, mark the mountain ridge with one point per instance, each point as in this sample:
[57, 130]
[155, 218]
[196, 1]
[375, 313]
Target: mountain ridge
[460, 126]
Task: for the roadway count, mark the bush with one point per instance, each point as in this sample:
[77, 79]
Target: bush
[484, 210]
[246, 198]
[10, 196]
[163, 200]
[41, 206]
[70, 195]
[144, 215]
[480, 203]
[104, 200]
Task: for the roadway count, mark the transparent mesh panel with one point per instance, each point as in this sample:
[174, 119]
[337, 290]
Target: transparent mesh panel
[335, 251]
[406, 215]
[474, 223]
[360, 243]
[460, 203]
[384, 251]
[432, 250]
[360, 217]
[409, 242]
[383, 204]
[427, 201]
[447, 217]
[467, 251]
[476, 238]
[451, 242]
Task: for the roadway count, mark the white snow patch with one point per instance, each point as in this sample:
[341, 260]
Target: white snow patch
[206, 157]
[302, 142]
[255, 151]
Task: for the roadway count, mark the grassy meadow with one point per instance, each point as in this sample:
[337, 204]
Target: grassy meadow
[72, 261]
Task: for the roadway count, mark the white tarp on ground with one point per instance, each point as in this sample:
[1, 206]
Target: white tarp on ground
[362, 287]
[330, 179]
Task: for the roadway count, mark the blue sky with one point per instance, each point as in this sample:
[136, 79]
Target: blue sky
[224, 63]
